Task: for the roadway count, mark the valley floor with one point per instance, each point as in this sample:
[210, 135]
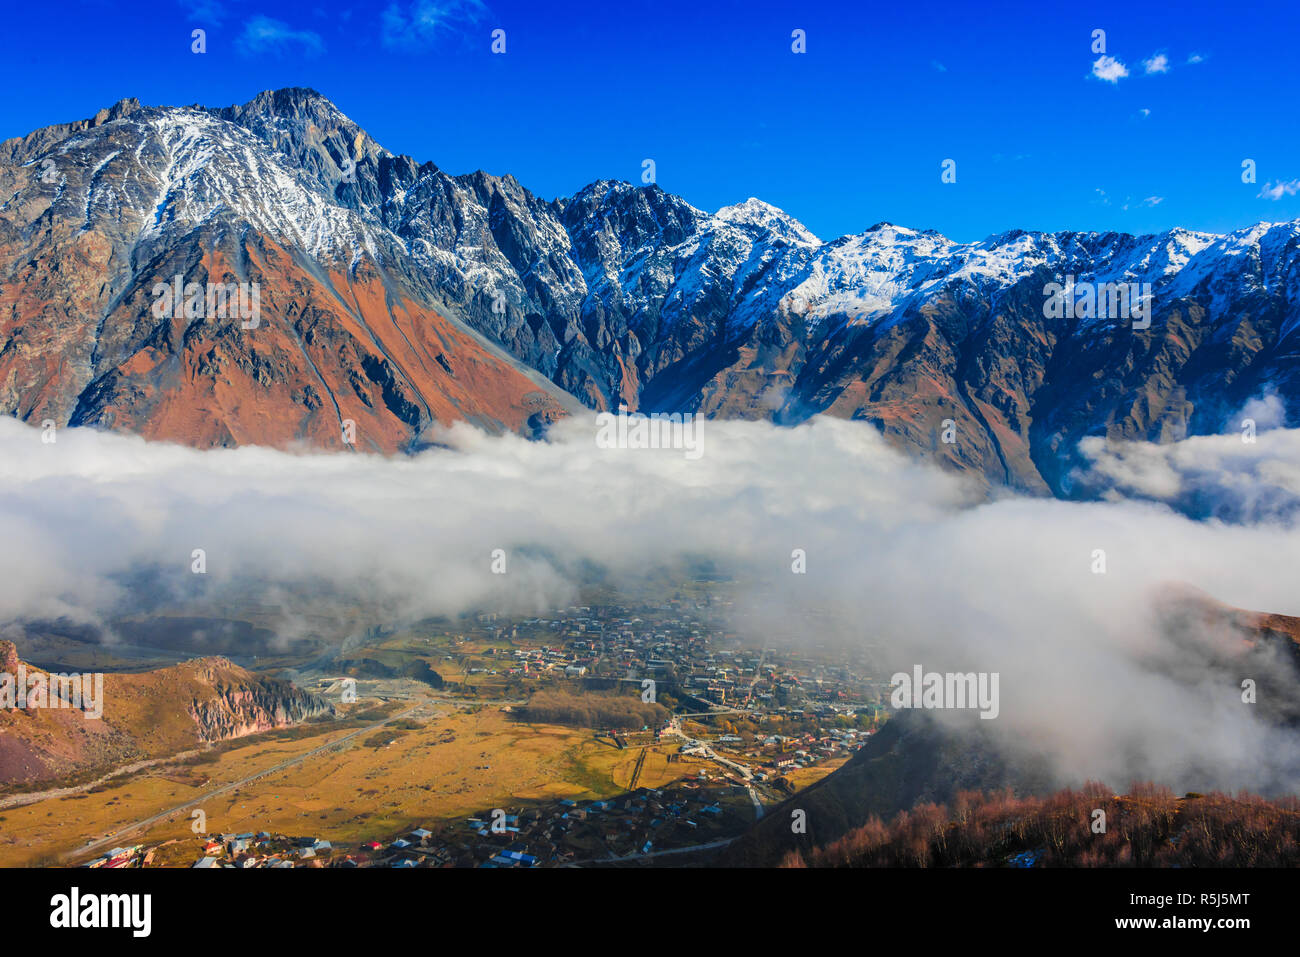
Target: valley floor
[422, 762]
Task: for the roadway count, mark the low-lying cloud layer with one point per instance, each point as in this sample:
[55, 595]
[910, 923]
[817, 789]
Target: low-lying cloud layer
[1235, 477]
[900, 556]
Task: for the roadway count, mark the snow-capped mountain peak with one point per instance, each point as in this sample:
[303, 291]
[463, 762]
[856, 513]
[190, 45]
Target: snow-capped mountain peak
[627, 294]
[764, 216]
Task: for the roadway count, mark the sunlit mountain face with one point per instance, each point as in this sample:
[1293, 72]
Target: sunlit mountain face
[391, 296]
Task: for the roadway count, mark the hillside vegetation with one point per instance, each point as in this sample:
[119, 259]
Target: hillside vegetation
[1148, 827]
[592, 710]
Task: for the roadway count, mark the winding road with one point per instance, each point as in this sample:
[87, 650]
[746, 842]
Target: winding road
[121, 833]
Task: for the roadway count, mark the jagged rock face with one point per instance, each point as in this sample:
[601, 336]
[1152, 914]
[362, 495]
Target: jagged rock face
[261, 704]
[1021, 388]
[102, 215]
[397, 295]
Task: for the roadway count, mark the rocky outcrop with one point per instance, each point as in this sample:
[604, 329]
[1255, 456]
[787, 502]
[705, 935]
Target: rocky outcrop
[146, 715]
[9, 657]
[232, 709]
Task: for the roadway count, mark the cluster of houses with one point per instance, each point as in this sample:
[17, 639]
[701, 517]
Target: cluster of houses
[780, 752]
[230, 851]
[568, 831]
[133, 856]
[267, 850]
[640, 822]
[684, 642]
[670, 642]
[637, 823]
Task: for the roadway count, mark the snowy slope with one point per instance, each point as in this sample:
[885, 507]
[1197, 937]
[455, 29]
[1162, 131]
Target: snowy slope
[621, 293]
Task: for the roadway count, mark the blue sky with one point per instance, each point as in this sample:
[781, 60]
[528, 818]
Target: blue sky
[1045, 133]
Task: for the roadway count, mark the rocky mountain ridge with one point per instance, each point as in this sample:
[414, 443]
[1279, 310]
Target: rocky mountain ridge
[396, 295]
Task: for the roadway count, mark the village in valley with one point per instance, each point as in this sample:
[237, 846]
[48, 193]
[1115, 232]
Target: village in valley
[698, 731]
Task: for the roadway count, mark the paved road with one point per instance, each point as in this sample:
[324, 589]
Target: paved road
[675, 728]
[712, 845]
[117, 836]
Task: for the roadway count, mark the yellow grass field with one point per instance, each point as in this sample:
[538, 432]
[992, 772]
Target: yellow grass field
[370, 789]
[656, 772]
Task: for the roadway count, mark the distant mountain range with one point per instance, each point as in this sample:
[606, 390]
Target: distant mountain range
[393, 295]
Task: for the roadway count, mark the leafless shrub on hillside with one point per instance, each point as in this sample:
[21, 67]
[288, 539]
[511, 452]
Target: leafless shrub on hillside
[1147, 827]
[592, 710]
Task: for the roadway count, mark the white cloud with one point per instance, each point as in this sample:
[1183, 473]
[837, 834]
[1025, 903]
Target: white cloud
[423, 23]
[1267, 412]
[1255, 483]
[1279, 189]
[265, 35]
[1144, 113]
[1159, 63]
[1147, 203]
[205, 11]
[1109, 69]
[901, 558]
[1195, 58]
[938, 66]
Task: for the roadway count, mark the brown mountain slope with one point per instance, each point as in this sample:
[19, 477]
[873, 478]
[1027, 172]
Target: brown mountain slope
[90, 232]
[909, 761]
[1148, 827]
[147, 715]
[327, 348]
